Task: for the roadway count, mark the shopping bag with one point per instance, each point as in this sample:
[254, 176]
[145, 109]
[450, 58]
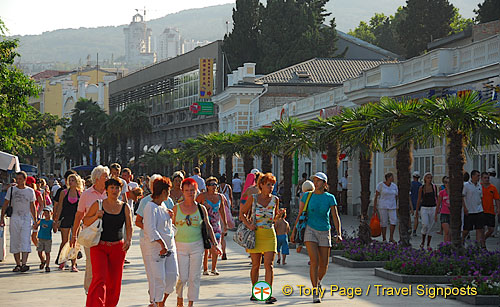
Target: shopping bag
[68, 252]
[375, 228]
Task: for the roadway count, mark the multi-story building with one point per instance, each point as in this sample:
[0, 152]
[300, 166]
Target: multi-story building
[170, 44]
[138, 51]
[168, 89]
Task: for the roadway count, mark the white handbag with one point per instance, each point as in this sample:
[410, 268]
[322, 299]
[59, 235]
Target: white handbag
[91, 235]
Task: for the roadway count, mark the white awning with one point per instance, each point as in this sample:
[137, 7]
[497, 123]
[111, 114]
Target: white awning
[9, 162]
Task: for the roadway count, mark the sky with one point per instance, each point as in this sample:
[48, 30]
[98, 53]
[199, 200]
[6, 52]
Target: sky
[34, 16]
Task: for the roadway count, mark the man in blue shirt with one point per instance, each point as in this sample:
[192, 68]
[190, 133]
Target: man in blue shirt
[415, 186]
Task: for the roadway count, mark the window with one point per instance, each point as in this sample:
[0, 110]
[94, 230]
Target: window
[485, 161]
[307, 168]
[424, 164]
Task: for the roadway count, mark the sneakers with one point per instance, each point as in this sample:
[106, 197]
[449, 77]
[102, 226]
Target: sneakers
[25, 268]
[205, 273]
[316, 298]
[215, 272]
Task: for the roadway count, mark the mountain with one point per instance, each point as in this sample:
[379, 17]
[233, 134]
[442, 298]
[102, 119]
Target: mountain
[209, 23]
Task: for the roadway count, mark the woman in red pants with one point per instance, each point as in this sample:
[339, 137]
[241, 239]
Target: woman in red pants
[108, 256]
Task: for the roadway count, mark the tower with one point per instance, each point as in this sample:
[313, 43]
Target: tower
[138, 42]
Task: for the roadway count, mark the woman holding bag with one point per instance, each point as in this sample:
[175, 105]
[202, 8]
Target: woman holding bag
[108, 256]
[317, 236]
[266, 211]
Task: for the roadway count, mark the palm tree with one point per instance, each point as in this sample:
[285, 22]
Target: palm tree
[246, 148]
[227, 148]
[400, 126]
[289, 138]
[136, 124]
[265, 147]
[465, 121]
[360, 138]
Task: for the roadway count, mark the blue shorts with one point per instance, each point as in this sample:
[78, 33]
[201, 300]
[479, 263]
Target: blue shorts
[282, 242]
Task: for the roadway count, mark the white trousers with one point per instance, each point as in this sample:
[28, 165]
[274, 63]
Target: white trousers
[87, 280]
[427, 219]
[20, 234]
[190, 256]
[147, 267]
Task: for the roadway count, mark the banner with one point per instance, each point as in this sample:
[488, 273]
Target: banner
[202, 108]
[206, 78]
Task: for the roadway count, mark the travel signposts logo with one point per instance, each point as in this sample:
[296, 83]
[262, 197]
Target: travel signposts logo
[262, 290]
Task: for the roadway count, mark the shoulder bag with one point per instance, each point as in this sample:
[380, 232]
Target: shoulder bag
[244, 236]
[91, 235]
[8, 211]
[302, 223]
[204, 230]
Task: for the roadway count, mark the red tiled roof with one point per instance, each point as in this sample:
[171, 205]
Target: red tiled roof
[48, 74]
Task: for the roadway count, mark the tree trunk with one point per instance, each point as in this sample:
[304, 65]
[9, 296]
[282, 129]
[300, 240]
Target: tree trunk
[94, 150]
[123, 153]
[247, 163]
[208, 167]
[404, 159]
[287, 183]
[187, 169]
[229, 165]
[113, 150]
[137, 153]
[267, 162]
[52, 161]
[456, 161]
[365, 171]
[332, 167]
[216, 166]
[41, 161]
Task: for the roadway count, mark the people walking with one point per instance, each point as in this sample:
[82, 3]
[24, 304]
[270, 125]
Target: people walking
[159, 244]
[23, 219]
[386, 199]
[225, 188]
[443, 208]
[215, 203]
[262, 221]
[109, 255]
[96, 192]
[176, 192]
[426, 206]
[237, 188]
[473, 210]
[65, 216]
[188, 216]
[491, 204]
[46, 225]
[317, 236]
[39, 205]
[199, 180]
[282, 229]
[415, 187]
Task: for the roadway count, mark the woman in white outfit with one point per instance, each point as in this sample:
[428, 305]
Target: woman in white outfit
[188, 218]
[160, 251]
[386, 201]
[426, 204]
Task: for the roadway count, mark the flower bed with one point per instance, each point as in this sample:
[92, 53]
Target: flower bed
[375, 251]
[474, 267]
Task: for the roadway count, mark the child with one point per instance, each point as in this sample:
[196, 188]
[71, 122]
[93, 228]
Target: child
[45, 238]
[282, 229]
[307, 186]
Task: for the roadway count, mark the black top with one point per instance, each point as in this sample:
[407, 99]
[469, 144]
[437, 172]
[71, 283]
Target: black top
[429, 199]
[68, 211]
[58, 193]
[112, 225]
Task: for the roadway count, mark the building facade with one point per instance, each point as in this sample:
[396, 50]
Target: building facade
[138, 51]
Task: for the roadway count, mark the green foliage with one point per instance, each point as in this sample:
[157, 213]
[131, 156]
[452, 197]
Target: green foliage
[459, 23]
[489, 10]
[15, 90]
[285, 31]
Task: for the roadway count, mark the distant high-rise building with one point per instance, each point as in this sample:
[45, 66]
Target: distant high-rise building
[138, 42]
[192, 44]
[169, 44]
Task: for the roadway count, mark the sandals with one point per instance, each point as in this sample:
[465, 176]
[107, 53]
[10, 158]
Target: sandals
[205, 273]
[74, 269]
[215, 272]
[17, 269]
[42, 265]
[61, 266]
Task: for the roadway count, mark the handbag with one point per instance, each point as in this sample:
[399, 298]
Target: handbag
[244, 236]
[302, 223]
[204, 232]
[91, 235]
[375, 228]
[8, 211]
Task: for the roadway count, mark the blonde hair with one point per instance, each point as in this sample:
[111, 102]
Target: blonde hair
[79, 181]
[152, 180]
[308, 186]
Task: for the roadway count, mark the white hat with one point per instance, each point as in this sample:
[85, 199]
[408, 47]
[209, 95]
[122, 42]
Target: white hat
[416, 174]
[255, 170]
[307, 186]
[321, 176]
[492, 170]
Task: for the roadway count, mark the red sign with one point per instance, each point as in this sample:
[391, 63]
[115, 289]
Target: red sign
[341, 156]
[195, 108]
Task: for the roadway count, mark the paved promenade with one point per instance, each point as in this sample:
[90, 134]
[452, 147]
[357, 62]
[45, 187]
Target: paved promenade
[231, 288]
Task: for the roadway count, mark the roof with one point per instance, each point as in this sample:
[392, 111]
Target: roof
[320, 71]
[46, 74]
[367, 45]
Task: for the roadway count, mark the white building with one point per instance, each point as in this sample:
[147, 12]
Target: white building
[138, 49]
[170, 44]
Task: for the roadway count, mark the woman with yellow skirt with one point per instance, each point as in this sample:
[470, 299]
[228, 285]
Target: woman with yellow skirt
[266, 211]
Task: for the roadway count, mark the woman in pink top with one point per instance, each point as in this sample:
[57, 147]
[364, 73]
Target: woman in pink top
[443, 207]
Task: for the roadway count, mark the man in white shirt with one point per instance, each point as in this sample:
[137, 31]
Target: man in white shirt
[201, 182]
[127, 176]
[237, 187]
[55, 188]
[23, 220]
[115, 170]
[343, 192]
[473, 207]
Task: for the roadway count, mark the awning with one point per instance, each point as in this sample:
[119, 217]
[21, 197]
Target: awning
[82, 168]
[9, 162]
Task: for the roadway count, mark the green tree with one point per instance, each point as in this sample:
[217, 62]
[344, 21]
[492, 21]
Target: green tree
[459, 23]
[136, 124]
[489, 10]
[465, 122]
[15, 90]
[241, 44]
[425, 20]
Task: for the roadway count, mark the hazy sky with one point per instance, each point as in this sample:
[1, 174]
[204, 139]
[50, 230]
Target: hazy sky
[36, 16]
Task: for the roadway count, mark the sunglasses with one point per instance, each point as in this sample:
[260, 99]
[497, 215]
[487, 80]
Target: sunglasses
[188, 220]
[212, 184]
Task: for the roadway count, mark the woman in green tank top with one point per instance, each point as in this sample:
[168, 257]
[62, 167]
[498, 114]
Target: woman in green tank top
[189, 241]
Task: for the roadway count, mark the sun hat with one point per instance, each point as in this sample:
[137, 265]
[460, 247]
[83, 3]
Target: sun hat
[321, 176]
[416, 174]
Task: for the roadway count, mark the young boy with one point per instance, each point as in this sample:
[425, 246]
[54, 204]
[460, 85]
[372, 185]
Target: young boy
[45, 238]
[307, 186]
[282, 229]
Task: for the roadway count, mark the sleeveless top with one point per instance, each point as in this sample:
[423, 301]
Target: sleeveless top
[112, 225]
[264, 215]
[68, 210]
[225, 191]
[429, 199]
[186, 233]
[214, 214]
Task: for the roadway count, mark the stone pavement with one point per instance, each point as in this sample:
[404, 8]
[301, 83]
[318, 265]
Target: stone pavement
[231, 288]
